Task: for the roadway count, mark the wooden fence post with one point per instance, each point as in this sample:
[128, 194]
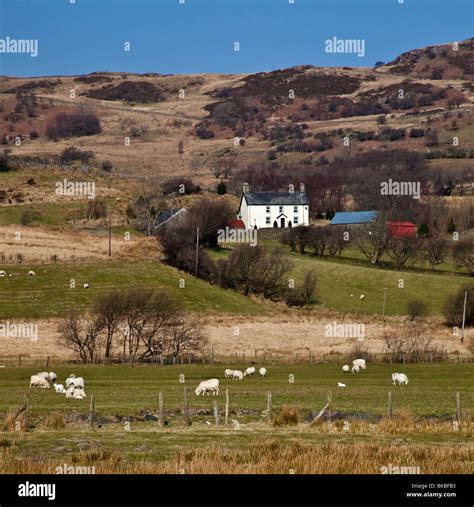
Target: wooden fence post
[19, 359]
[161, 417]
[226, 416]
[269, 407]
[186, 407]
[390, 411]
[91, 411]
[47, 362]
[458, 407]
[27, 413]
[216, 412]
[243, 357]
[330, 405]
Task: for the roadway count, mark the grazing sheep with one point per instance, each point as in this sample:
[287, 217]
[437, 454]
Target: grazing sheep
[401, 378]
[3, 274]
[52, 377]
[70, 392]
[238, 375]
[362, 296]
[43, 374]
[360, 363]
[70, 380]
[86, 286]
[355, 368]
[340, 384]
[249, 371]
[345, 368]
[228, 373]
[31, 273]
[59, 388]
[262, 371]
[78, 382]
[79, 393]
[37, 381]
[208, 386]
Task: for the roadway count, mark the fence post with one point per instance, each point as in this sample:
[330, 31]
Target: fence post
[216, 412]
[243, 357]
[47, 362]
[91, 411]
[186, 408]
[27, 413]
[19, 359]
[269, 407]
[161, 418]
[161, 359]
[226, 416]
[390, 411]
[330, 405]
[458, 407]
[270, 358]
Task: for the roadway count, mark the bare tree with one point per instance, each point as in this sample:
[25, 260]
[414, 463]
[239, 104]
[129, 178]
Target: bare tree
[463, 254]
[434, 251]
[403, 250]
[372, 240]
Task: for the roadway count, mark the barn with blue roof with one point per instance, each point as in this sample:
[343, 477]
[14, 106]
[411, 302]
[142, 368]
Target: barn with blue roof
[354, 217]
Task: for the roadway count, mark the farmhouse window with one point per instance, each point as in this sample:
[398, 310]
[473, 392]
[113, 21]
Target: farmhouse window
[268, 209]
[281, 209]
[267, 220]
[295, 220]
[295, 209]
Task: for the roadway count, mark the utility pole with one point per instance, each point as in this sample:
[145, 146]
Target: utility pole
[384, 301]
[197, 253]
[110, 233]
[463, 316]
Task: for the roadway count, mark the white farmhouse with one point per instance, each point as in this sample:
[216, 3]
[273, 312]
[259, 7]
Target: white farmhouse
[273, 209]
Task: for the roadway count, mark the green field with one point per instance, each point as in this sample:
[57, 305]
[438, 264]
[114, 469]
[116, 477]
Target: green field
[125, 391]
[48, 294]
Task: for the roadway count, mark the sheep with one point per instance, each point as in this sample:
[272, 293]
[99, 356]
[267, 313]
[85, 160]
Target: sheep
[238, 375]
[208, 386]
[79, 393]
[262, 371]
[31, 273]
[345, 368]
[360, 362]
[43, 374]
[362, 296]
[70, 392]
[78, 382]
[228, 373]
[401, 378]
[37, 381]
[355, 368]
[52, 377]
[340, 384]
[59, 388]
[249, 371]
[86, 286]
[70, 380]
[3, 274]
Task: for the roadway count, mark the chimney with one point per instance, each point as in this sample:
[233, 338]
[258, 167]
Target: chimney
[245, 188]
[302, 190]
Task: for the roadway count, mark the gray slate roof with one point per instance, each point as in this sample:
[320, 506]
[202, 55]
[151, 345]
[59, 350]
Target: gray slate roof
[276, 198]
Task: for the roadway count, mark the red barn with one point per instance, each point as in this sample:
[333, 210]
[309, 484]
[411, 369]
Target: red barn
[401, 229]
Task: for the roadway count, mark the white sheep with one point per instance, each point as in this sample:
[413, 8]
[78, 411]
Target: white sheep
[52, 377]
[70, 392]
[249, 371]
[355, 368]
[228, 373]
[37, 381]
[3, 274]
[208, 386]
[79, 393]
[340, 384]
[78, 382]
[401, 378]
[59, 388]
[360, 363]
[362, 296]
[31, 273]
[238, 375]
[43, 374]
[86, 286]
[262, 371]
[345, 368]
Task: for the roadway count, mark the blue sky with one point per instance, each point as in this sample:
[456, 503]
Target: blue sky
[199, 36]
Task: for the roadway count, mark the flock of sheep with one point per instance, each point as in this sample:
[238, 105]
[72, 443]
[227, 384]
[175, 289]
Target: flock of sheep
[4, 274]
[360, 364]
[212, 385]
[74, 385]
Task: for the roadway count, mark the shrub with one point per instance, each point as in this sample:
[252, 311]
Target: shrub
[107, 166]
[203, 132]
[416, 308]
[96, 209]
[221, 188]
[34, 134]
[4, 161]
[72, 153]
[288, 415]
[303, 294]
[454, 305]
[66, 125]
[27, 216]
[129, 91]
